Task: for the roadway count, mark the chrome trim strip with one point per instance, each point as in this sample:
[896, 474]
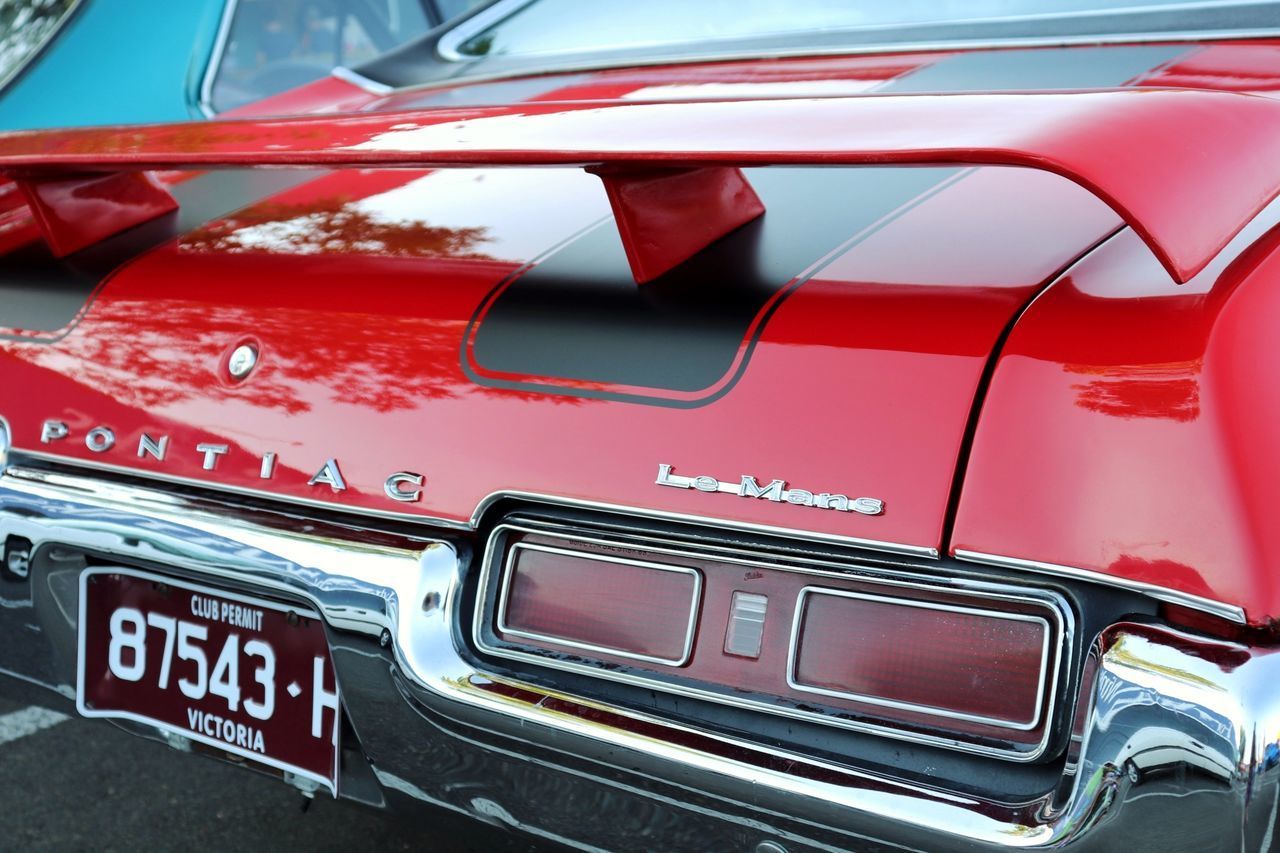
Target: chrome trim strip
[355, 78]
[204, 101]
[485, 505]
[871, 574]
[936, 710]
[89, 711]
[695, 605]
[663, 515]
[5, 443]
[1230, 612]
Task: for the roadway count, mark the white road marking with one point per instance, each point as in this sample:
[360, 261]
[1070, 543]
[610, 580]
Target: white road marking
[1271, 822]
[28, 721]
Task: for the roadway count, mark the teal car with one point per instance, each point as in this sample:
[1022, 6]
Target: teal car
[83, 62]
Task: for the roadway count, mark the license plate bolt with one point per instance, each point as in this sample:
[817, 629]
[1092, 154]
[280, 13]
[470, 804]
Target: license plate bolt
[306, 786]
[176, 741]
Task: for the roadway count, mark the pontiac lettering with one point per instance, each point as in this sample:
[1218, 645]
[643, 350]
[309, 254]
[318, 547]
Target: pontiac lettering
[401, 486]
[775, 490]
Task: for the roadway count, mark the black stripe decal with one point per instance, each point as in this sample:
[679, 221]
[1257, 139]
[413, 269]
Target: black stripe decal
[1049, 68]
[579, 315]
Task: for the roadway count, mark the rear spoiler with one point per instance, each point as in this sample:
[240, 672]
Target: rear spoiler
[1186, 169]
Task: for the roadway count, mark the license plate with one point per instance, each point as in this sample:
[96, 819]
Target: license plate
[247, 676]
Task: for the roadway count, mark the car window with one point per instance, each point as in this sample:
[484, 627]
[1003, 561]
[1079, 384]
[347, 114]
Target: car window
[453, 8]
[554, 27]
[275, 45]
[25, 27]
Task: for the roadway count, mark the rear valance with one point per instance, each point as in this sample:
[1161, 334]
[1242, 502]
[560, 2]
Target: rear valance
[1186, 169]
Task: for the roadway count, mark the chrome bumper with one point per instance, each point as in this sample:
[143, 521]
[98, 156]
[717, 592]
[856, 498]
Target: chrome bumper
[1177, 742]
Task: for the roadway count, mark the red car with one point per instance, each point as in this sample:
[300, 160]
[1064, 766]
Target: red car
[680, 425]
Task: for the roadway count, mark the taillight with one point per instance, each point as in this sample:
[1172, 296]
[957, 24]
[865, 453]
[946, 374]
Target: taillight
[969, 664]
[557, 598]
[976, 669]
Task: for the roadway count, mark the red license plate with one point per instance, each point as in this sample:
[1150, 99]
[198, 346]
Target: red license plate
[247, 676]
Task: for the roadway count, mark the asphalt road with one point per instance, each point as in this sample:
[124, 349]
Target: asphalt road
[67, 783]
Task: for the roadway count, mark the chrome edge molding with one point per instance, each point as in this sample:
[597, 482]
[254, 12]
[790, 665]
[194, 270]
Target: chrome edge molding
[5, 439]
[793, 647]
[204, 98]
[979, 590]
[694, 606]
[1167, 713]
[1230, 612]
[447, 47]
[355, 78]
[663, 515]
[484, 506]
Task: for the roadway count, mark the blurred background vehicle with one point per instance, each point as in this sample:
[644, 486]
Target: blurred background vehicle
[118, 61]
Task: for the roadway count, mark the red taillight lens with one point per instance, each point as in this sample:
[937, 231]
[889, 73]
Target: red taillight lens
[630, 608]
[964, 663]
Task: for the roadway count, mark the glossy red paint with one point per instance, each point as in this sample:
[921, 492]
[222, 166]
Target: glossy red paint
[1128, 427]
[1140, 151]
[17, 226]
[73, 213]
[1252, 67]
[893, 337]
[666, 216]
[360, 287]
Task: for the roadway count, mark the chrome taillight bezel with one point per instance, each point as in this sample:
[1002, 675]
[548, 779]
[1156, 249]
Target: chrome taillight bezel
[983, 594]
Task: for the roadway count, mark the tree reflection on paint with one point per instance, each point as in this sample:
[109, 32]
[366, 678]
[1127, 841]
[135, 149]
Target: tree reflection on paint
[1170, 390]
[332, 225]
[358, 296]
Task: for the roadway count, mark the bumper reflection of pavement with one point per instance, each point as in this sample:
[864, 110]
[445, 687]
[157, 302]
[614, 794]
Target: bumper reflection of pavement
[75, 784]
